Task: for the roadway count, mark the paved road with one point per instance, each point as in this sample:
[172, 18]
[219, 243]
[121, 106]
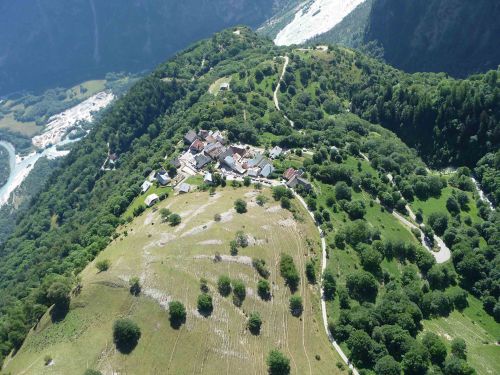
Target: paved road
[323, 302]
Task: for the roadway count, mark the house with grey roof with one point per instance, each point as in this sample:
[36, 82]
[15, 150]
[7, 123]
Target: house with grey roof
[275, 152]
[201, 160]
[145, 186]
[190, 137]
[184, 188]
[151, 200]
[267, 170]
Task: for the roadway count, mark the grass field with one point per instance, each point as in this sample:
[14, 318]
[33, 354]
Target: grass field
[478, 329]
[170, 262]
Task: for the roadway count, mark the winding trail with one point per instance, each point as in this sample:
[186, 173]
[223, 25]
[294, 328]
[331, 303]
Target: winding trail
[276, 90]
[323, 302]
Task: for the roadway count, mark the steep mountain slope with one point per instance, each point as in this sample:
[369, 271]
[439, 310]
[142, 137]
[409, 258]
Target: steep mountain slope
[366, 183]
[50, 43]
[453, 36]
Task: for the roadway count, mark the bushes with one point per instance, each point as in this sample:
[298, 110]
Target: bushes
[311, 272]
[260, 267]
[289, 271]
[296, 306]
[240, 206]
[277, 363]
[103, 265]
[205, 304]
[126, 335]
[177, 314]
[263, 289]
[254, 323]
[329, 284]
[239, 292]
[135, 286]
[224, 285]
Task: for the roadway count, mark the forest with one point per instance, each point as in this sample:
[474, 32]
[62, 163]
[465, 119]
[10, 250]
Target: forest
[345, 105]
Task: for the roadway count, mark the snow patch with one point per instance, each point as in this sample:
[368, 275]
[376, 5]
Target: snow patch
[318, 18]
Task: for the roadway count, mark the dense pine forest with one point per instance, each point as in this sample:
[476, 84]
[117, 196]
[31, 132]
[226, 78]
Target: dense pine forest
[343, 105]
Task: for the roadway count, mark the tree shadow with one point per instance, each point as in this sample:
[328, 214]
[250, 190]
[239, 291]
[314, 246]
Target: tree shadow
[206, 312]
[59, 312]
[177, 323]
[126, 347]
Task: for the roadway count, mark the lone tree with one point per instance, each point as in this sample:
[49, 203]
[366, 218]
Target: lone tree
[92, 372]
[174, 219]
[264, 290]
[103, 265]
[254, 323]
[126, 335]
[240, 206]
[310, 272]
[239, 292]
[205, 305]
[177, 313]
[224, 285]
[277, 363]
[296, 307]
[289, 271]
[135, 286]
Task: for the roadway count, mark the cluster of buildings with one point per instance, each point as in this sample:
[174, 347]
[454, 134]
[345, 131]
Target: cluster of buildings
[211, 146]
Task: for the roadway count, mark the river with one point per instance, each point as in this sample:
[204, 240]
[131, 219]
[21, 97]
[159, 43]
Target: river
[20, 167]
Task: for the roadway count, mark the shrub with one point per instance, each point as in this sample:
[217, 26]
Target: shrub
[103, 265]
[329, 284]
[47, 360]
[217, 217]
[224, 285]
[126, 335]
[164, 213]
[254, 323]
[296, 306]
[311, 272]
[263, 289]
[233, 248]
[92, 372]
[239, 292]
[280, 192]
[177, 313]
[240, 206]
[204, 285]
[260, 267]
[289, 271]
[261, 199]
[135, 286]
[205, 305]
[277, 363]
[174, 219]
[241, 239]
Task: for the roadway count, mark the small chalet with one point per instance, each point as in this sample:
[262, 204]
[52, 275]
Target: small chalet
[176, 163]
[151, 200]
[163, 178]
[224, 86]
[299, 181]
[275, 152]
[197, 146]
[145, 186]
[184, 188]
[289, 174]
[230, 162]
[267, 170]
[208, 178]
[190, 137]
[203, 134]
[201, 160]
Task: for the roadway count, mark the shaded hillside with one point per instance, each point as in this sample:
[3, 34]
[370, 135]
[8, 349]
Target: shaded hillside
[455, 36]
[50, 43]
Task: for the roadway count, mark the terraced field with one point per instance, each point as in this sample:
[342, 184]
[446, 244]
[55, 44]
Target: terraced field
[170, 262]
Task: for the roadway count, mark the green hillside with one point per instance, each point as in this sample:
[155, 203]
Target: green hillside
[170, 261]
[382, 286]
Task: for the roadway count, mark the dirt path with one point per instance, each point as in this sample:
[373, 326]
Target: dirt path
[323, 302]
[276, 90]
